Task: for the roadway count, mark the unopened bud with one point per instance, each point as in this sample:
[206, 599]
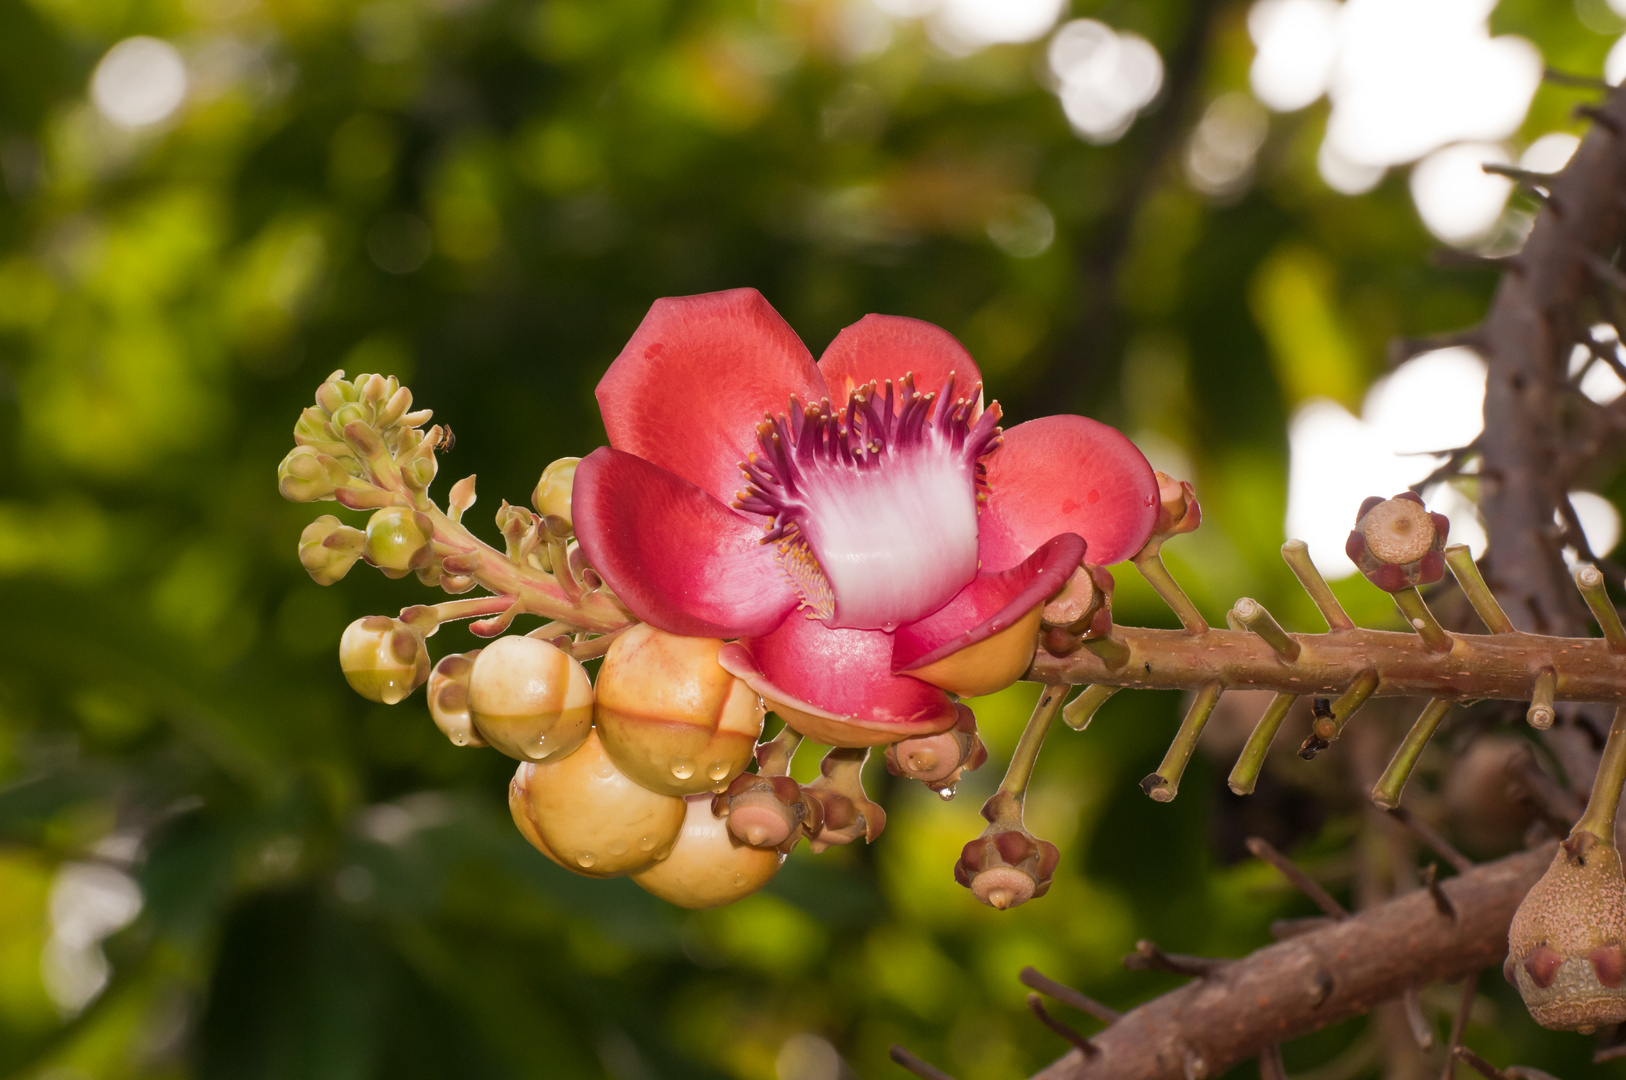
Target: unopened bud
[768, 811]
[552, 494]
[383, 659]
[1081, 611]
[1006, 865]
[669, 714]
[708, 866]
[303, 477]
[449, 698]
[398, 540]
[1398, 544]
[939, 760]
[335, 393]
[530, 700]
[848, 811]
[1567, 944]
[1178, 510]
[328, 549]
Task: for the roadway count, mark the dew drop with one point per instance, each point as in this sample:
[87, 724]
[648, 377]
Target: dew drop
[459, 739]
[946, 793]
[682, 768]
[618, 847]
[586, 858]
[605, 771]
[739, 879]
[717, 770]
[646, 843]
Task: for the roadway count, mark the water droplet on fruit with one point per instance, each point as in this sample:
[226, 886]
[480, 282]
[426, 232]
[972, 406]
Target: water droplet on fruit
[646, 843]
[682, 768]
[586, 859]
[947, 793]
[459, 739]
[739, 879]
[618, 847]
[605, 771]
[717, 770]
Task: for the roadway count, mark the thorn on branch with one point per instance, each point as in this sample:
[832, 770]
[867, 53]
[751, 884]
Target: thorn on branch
[1422, 1032]
[1148, 957]
[1442, 902]
[1040, 1013]
[1432, 839]
[1034, 979]
[1263, 850]
[904, 1058]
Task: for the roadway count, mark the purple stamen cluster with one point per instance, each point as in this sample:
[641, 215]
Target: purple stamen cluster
[876, 425]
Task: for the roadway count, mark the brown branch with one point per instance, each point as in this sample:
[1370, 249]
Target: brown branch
[1301, 985]
[915, 1065]
[1263, 849]
[1433, 840]
[1034, 979]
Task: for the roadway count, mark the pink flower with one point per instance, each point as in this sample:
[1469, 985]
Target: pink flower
[885, 542]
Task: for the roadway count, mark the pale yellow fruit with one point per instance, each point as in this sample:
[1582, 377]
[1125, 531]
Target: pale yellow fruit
[708, 867]
[529, 699]
[591, 818]
[670, 716]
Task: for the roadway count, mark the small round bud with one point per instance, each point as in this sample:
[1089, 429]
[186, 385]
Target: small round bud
[334, 393]
[383, 659]
[939, 760]
[592, 817]
[1006, 865]
[530, 700]
[449, 698]
[1567, 944]
[302, 476]
[328, 549]
[768, 811]
[398, 540]
[1398, 544]
[708, 866]
[552, 494]
[669, 714]
[1178, 510]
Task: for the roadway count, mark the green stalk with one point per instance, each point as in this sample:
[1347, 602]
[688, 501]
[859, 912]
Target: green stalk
[1026, 753]
[1245, 774]
[1393, 781]
[1540, 716]
[1590, 581]
[1330, 727]
[1164, 784]
[1296, 553]
[1599, 819]
[1150, 564]
[1252, 615]
[1474, 588]
[1422, 620]
[1082, 709]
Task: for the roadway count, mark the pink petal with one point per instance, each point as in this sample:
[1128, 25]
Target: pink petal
[698, 375]
[837, 686]
[988, 605]
[881, 347]
[1066, 474]
[679, 559]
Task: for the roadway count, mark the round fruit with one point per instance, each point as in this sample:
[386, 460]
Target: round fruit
[529, 699]
[708, 867]
[383, 659]
[449, 698]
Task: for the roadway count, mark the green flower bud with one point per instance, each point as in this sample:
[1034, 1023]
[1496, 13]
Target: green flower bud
[552, 494]
[303, 477]
[383, 659]
[396, 407]
[328, 549]
[398, 539]
[419, 473]
[374, 388]
[334, 393]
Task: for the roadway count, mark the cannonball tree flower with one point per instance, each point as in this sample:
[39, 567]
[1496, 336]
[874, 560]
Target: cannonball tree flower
[861, 524]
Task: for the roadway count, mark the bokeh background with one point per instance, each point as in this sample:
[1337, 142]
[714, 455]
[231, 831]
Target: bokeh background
[1201, 221]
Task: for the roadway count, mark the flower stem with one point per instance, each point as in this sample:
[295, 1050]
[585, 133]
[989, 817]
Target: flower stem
[773, 756]
[1082, 709]
[1026, 753]
[1540, 715]
[429, 617]
[1417, 615]
[1296, 553]
[1590, 581]
[1150, 564]
[1252, 615]
[1473, 586]
[1393, 781]
[1164, 784]
[1330, 727]
[1599, 819]
[1245, 774]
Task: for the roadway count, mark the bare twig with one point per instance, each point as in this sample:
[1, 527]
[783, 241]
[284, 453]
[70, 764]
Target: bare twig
[1432, 839]
[1422, 1032]
[1034, 979]
[1148, 957]
[916, 1066]
[1491, 1072]
[1040, 1013]
[1262, 849]
[1459, 1025]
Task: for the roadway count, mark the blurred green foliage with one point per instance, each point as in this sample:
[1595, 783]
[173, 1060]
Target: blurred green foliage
[482, 197]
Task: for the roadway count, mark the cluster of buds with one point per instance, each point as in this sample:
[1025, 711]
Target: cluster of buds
[357, 432]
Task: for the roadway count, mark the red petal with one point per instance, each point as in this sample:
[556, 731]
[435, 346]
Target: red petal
[988, 605]
[679, 559]
[699, 373]
[881, 347]
[1066, 474]
[839, 682]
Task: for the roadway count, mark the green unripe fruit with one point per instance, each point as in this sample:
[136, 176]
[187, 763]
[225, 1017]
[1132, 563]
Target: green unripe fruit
[302, 476]
[552, 494]
[329, 548]
[398, 539]
[383, 659]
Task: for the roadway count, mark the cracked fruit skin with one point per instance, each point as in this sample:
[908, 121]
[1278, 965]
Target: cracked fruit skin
[529, 699]
[859, 524]
[593, 819]
[708, 866]
[670, 716]
[1565, 946]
